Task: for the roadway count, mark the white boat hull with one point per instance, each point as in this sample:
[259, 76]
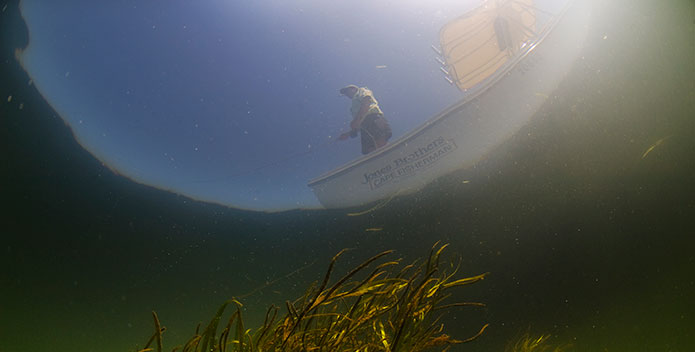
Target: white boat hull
[481, 121]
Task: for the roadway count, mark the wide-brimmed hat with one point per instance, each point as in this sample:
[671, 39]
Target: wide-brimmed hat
[346, 88]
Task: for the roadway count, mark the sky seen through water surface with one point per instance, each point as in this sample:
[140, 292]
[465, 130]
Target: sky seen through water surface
[233, 102]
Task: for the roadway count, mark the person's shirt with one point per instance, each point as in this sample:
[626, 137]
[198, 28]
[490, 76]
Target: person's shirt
[362, 93]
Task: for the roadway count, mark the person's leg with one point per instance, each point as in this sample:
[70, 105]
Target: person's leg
[384, 131]
[368, 142]
[375, 133]
[366, 149]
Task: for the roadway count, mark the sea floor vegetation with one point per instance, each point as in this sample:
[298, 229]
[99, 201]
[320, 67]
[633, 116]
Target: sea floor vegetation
[528, 343]
[377, 306]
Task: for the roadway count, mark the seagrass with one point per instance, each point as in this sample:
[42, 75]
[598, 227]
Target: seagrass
[387, 310]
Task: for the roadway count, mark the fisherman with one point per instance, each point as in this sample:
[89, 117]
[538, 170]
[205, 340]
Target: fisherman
[367, 118]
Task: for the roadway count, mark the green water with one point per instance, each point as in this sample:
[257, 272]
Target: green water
[586, 237]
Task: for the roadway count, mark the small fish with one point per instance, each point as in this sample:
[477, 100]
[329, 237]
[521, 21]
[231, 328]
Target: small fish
[465, 181]
[381, 66]
[542, 95]
[656, 144]
[373, 229]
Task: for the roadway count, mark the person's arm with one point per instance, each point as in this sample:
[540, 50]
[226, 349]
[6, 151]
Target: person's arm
[348, 134]
[345, 136]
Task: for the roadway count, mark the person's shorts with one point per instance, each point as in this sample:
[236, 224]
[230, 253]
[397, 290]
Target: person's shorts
[375, 131]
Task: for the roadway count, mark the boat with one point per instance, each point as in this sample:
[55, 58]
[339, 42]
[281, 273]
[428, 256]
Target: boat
[506, 62]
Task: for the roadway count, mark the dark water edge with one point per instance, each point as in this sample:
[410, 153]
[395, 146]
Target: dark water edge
[584, 237]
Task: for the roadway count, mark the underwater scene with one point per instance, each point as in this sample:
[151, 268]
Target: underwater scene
[179, 176]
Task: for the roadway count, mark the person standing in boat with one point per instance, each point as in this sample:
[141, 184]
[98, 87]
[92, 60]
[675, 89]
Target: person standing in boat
[367, 119]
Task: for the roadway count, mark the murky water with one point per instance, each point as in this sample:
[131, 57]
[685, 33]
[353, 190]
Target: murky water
[584, 220]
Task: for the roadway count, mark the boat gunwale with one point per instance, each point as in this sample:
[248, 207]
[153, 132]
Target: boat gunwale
[497, 76]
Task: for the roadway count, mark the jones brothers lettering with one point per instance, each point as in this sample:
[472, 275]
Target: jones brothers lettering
[421, 158]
